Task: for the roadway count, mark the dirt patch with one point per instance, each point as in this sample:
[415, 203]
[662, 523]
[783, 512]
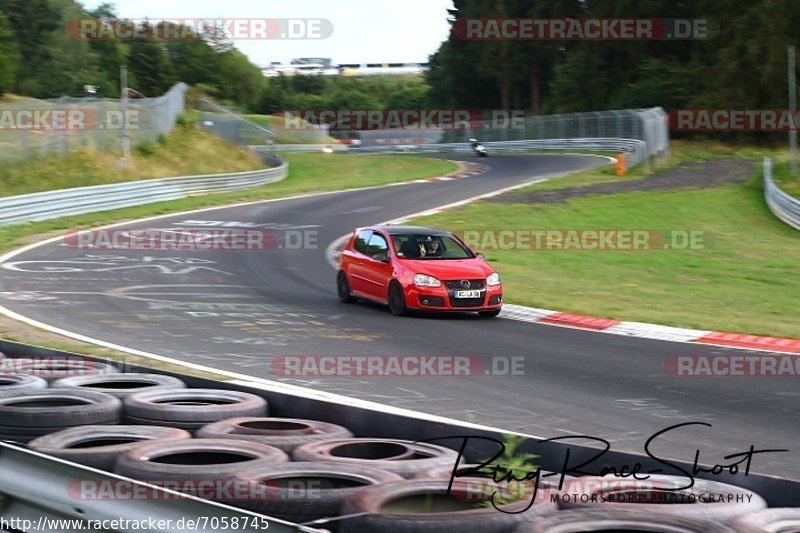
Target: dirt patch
[691, 175]
[13, 330]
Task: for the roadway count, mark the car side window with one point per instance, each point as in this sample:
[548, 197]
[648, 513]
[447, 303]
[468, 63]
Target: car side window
[361, 241]
[377, 245]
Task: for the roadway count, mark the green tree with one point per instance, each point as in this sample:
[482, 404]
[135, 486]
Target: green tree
[148, 63]
[32, 22]
[9, 56]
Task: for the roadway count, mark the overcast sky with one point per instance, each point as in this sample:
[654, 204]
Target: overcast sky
[364, 30]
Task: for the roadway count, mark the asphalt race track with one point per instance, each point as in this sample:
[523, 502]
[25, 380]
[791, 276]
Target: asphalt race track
[238, 310]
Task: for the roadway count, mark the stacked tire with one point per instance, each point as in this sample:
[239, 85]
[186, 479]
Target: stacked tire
[201, 467]
[27, 415]
[402, 457]
[121, 385]
[99, 446]
[185, 438]
[284, 433]
[11, 384]
[191, 409]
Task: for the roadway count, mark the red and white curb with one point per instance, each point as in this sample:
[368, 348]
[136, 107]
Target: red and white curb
[650, 331]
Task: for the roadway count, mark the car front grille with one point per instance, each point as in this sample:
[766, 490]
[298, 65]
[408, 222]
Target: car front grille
[466, 302]
[474, 284]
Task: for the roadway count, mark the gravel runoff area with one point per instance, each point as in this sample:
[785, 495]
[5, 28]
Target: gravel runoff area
[694, 174]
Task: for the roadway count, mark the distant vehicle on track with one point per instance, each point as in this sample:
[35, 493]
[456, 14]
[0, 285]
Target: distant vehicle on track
[478, 148]
[412, 267]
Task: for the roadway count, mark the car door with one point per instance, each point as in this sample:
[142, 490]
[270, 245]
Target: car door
[378, 274]
[357, 259]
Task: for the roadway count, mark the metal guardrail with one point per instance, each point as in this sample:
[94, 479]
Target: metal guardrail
[286, 148]
[81, 200]
[635, 149]
[783, 206]
[641, 134]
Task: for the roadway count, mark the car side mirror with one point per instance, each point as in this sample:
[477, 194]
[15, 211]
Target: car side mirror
[480, 255]
[382, 257]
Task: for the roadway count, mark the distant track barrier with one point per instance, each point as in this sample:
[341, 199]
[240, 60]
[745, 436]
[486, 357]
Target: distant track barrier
[82, 200]
[783, 206]
[641, 135]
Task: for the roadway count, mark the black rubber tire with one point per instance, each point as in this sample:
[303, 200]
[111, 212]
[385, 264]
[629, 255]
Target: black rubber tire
[473, 518]
[198, 460]
[343, 288]
[15, 383]
[783, 519]
[191, 408]
[82, 407]
[121, 385]
[578, 521]
[690, 506]
[52, 369]
[403, 457]
[63, 443]
[396, 299]
[286, 439]
[300, 504]
[489, 314]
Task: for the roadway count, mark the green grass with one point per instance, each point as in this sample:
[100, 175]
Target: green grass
[122, 358]
[781, 172]
[186, 151]
[308, 173]
[746, 281]
[680, 152]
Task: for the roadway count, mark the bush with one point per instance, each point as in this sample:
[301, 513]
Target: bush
[147, 148]
[161, 139]
[183, 121]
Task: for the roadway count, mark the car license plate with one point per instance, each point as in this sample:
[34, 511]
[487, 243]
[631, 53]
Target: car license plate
[468, 294]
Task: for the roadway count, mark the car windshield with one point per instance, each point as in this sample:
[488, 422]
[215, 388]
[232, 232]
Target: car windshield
[429, 246]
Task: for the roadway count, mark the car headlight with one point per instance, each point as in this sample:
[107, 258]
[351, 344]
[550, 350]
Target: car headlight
[493, 279]
[423, 280]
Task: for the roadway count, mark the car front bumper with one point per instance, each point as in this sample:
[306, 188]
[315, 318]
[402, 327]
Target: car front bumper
[443, 299]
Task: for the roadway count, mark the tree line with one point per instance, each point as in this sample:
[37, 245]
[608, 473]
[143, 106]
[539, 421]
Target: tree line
[741, 63]
[42, 58]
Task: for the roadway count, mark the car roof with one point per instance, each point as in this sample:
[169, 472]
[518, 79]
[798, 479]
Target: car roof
[411, 230]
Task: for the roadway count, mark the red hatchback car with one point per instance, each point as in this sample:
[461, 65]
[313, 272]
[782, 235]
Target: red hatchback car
[410, 267]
